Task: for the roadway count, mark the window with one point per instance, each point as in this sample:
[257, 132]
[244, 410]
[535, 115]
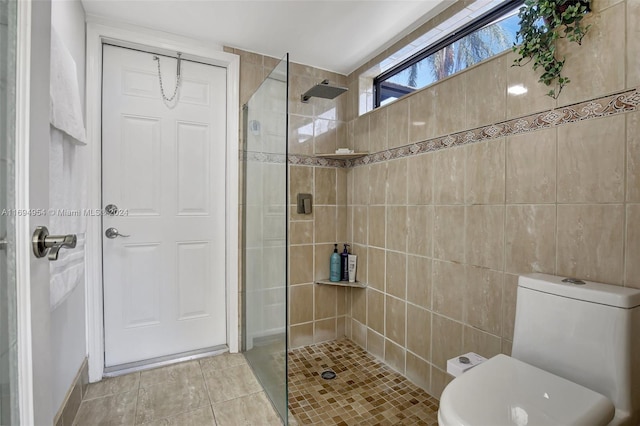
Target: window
[482, 38]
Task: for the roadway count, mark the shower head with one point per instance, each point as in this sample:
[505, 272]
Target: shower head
[323, 90]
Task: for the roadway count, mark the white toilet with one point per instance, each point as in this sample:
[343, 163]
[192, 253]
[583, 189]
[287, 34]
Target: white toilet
[575, 361]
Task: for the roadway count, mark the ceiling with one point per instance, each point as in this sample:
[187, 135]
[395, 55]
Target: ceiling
[338, 35]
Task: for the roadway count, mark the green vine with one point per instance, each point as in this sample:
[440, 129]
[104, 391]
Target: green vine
[542, 24]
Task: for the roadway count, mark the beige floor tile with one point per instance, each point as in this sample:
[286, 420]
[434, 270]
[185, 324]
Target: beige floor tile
[113, 386]
[170, 398]
[254, 409]
[171, 373]
[221, 361]
[231, 383]
[183, 394]
[292, 420]
[110, 410]
[200, 417]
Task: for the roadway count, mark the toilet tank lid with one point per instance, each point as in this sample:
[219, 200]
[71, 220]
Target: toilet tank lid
[604, 294]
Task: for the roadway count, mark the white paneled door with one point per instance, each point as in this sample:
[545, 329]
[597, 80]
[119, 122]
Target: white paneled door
[163, 166]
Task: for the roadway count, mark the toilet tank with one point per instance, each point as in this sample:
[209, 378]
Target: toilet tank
[587, 333]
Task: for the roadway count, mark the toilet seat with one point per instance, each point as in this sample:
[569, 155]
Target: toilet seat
[507, 391]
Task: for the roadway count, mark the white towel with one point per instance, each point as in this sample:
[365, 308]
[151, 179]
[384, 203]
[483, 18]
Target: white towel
[66, 108]
[67, 180]
[67, 199]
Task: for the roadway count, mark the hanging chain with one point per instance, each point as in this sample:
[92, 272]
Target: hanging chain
[178, 79]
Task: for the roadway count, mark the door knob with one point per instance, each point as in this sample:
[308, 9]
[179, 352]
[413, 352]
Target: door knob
[113, 233]
[42, 243]
[111, 209]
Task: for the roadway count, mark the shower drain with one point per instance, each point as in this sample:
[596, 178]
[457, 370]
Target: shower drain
[328, 375]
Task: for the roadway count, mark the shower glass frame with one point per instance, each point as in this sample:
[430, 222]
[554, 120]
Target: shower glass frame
[265, 219]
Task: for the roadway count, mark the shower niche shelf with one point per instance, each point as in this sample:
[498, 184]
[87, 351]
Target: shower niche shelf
[357, 284]
[351, 156]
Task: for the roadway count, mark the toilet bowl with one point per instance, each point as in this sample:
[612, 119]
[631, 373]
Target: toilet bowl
[575, 361]
[506, 391]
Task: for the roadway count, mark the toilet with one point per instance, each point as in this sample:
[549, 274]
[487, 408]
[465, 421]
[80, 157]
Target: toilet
[575, 361]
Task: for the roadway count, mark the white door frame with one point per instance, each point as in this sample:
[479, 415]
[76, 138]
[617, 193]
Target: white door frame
[22, 223]
[98, 32]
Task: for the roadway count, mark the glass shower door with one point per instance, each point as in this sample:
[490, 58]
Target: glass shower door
[8, 344]
[264, 253]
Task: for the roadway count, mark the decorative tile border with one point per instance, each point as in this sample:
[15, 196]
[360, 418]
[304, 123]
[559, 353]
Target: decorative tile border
[263, 157]
[300, 160]
[621, 102]
[609, 105]
[304, 160]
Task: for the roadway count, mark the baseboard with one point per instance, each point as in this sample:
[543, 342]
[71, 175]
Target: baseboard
[67, 412]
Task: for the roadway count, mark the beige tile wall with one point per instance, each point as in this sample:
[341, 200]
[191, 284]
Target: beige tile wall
[442, 236]
[316, 312]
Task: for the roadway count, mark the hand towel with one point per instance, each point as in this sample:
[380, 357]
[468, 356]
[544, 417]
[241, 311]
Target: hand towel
[66, 108]
[67, 180]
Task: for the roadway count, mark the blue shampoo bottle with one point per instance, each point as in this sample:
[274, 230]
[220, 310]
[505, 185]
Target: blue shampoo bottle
[334, 266]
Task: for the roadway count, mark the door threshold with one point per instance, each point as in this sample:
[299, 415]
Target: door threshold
[163, 361]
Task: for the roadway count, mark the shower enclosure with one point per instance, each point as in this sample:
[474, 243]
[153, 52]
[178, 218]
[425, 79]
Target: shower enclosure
[8, 343]
[264, 235]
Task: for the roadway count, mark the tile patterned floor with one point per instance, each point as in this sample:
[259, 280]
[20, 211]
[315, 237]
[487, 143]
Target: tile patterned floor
[220, 390]
[365, 392]
[223, 391]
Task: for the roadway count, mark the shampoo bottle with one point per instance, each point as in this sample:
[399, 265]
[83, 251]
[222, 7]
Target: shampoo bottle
[344, 263]
[334, 265]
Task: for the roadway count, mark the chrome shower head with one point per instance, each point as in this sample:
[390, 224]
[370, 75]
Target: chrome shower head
[323, 90]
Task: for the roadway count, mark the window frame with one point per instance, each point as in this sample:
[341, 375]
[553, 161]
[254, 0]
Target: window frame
[476, 24]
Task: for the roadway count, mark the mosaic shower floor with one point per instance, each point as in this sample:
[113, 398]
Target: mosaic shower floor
[365, 391]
